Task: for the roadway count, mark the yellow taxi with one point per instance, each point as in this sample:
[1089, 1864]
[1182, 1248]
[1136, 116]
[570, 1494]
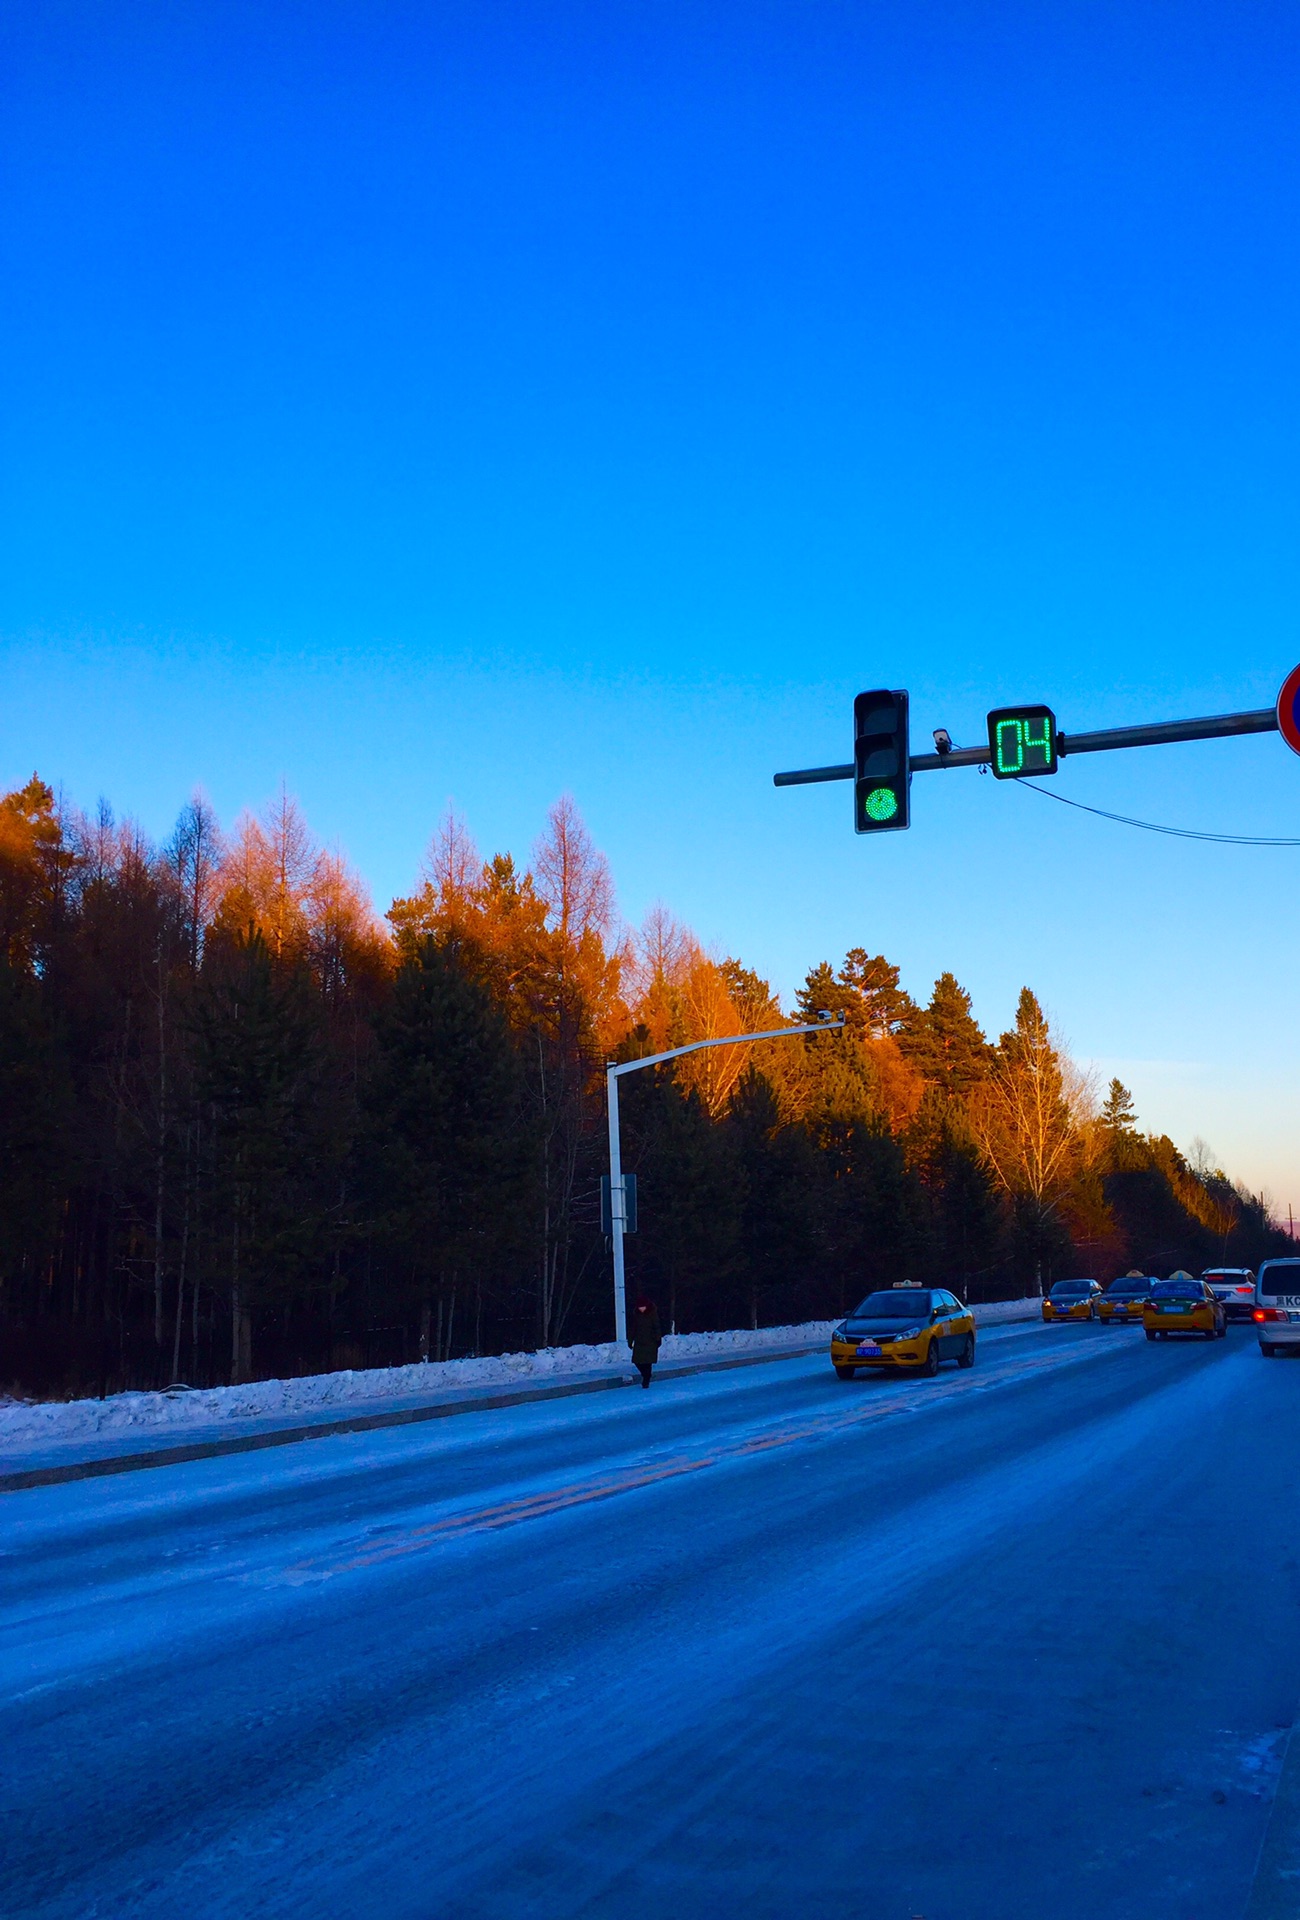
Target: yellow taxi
[904, 1329]
[1072, 1300]
[1124, 1299]
[1183, 1305]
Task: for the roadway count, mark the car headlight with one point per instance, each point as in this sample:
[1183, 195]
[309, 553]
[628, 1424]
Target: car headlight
[839, 1334]
[913, 1333]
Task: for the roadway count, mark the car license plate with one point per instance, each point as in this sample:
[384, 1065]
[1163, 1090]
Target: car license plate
[1179, 1310]
[867, 1347]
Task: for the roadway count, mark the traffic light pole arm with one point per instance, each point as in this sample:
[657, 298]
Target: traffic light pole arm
[613, 1073]
[1162, 733]
[729, 1040]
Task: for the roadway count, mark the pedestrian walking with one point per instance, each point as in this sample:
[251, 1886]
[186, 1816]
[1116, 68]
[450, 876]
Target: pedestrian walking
[644, 1337]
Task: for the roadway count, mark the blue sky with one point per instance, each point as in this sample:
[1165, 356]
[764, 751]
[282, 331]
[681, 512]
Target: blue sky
[483, 401]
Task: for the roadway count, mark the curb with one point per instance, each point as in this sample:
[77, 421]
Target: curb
[21, 1478]
[1275, 1890]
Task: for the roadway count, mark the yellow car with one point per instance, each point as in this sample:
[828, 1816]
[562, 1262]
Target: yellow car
[1183, 1305]
[904, 1329]
[1124, 1299]
[1072, 1300]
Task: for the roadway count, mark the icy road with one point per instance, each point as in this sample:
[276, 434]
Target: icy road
[1017, 1642]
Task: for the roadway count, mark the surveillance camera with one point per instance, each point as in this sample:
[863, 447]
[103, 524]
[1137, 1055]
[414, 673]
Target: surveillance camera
[824, 1013]
[942, 741]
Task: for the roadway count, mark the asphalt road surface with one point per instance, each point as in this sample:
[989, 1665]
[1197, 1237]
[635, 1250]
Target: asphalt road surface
[1023, 1641]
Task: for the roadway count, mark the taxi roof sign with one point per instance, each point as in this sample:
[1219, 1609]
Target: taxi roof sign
[1288, 710]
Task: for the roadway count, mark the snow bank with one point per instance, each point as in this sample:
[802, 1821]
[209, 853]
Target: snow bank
[315, 1393]
[22, 1423]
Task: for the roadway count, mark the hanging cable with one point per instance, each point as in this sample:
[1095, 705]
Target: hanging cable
[1149, 826]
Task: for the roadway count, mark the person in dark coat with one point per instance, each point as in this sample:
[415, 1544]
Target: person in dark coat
[643, 1336]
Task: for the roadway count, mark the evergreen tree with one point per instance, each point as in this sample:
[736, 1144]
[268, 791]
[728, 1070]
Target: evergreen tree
[1118, 1115]
[966, 1218]
[36, 1105]
[257, 1057]
[688, 1194]
[945, 1042]
[820, 990]
[444, 1149]
[878, 1004]
[781, 1257]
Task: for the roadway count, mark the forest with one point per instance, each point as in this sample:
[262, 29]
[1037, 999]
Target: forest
[250, 1129]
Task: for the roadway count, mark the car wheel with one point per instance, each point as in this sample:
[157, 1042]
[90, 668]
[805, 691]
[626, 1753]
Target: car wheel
[1151, 1333]
[930, 1364]
[845, 1373]
[1223, 1328]
[966, 1358]
[1268, 1352]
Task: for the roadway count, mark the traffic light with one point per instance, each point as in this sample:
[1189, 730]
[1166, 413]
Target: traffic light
[881, 770]
[1022, 741]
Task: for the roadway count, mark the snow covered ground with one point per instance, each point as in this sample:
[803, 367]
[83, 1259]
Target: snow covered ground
[24, 1423]
[588, 1656]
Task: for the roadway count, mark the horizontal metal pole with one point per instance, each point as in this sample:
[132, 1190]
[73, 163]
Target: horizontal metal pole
[1162, 733]
[1218, 726]
[613, 1072]
[957, 757]
[808, 776]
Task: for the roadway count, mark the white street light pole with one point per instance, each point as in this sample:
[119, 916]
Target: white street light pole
[827, 1023]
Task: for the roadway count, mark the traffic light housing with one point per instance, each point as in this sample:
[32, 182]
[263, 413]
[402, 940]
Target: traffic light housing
[881, 767]
[1022, 742]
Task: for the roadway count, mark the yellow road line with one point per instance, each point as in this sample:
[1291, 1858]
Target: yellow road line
[508, 1513]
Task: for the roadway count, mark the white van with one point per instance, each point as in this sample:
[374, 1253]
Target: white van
[1277, 1307]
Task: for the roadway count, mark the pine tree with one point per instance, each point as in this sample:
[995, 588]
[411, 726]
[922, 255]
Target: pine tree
[779, 1245]
[946, 1044]
[820, 990]
[444, 1150]
[36, 1110]
[257, 1049]
[687, 1248]
[1118, 1115]
[871, 981]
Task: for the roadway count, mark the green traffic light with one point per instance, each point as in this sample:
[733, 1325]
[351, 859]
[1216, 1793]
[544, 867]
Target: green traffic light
[881, 803]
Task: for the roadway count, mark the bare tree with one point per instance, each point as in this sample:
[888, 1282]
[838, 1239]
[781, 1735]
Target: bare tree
[192, 861]
[572, 877]
[1020, 1115]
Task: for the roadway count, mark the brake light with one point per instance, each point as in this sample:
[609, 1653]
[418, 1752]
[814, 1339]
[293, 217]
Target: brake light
[1266, 1313]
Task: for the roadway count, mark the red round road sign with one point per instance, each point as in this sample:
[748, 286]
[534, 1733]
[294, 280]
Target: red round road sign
[1288, 710]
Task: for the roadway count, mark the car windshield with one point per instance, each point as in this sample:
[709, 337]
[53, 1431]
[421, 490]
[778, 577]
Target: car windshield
[1127, 1292]
[1176, 1290]
[904, 1304]
[1280, 1276]
[1070, 1289]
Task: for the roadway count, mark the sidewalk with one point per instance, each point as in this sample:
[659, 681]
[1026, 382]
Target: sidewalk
[48, 1463]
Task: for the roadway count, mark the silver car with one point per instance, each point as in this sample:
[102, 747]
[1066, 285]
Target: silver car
[1277, 1307]
[1235, 1287]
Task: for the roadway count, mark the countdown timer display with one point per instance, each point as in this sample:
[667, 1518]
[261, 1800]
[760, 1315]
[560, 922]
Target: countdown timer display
[1022, 741]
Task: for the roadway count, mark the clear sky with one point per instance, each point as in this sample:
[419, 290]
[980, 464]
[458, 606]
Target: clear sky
[488, 399]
